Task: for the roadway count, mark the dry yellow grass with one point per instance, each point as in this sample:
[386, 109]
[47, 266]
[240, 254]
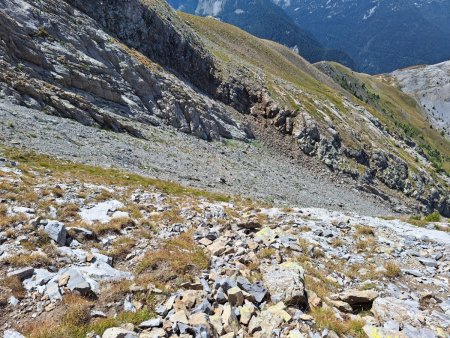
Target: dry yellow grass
[392, 269]
[15, 285]
[121, 247]
[326, 319]
[365, 230]
[266, 252]
[12, 221]
[115, 225]
[72, 320]
[69, 212]
[365, 245]
[180, 257]
[35, 259]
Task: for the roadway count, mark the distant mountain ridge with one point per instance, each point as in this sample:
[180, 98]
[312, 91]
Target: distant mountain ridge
[264, 19]
[380, 35]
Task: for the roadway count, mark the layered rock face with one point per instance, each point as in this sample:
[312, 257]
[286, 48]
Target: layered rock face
[59, 60]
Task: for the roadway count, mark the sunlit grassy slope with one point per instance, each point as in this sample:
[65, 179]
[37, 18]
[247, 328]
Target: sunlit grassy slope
[397, 110]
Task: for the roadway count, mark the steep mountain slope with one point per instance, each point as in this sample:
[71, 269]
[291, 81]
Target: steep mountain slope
[347, 134]
[381, 35]
[430, 85]
[97, 80]
[130, 69]
[265, 20]
[395, 109]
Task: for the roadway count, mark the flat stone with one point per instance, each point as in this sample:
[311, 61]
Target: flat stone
[151, 323]
[52, 290]
[415, 273]
[205, 241]
[254, 325]
[22, 274]
[100, 212]
[97, 314]
[199, 319]
[118, 332]
[257, 290]
[246, 313]
[179, 317]
[78, 282]
[429, 262]
[273, 317]
[217, 248]
[379, 332]
[154, 333]
[358, 298]
[342, 306]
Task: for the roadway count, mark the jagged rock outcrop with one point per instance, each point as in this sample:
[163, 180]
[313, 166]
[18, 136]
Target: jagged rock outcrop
[59, 60]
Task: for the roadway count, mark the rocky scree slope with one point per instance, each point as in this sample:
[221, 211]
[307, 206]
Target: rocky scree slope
[90, 252]
[144, 65]
[430, 85]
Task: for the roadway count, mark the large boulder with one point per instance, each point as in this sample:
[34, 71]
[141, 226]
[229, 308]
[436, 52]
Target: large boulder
[286, 283]
[357, 298]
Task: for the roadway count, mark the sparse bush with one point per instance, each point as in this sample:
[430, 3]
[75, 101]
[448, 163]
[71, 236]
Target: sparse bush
[35, 259]
[337, 242]
[326, 319]
[15, 285]
[364, 230]
[433, 217]
[121, 247]
[266, 253]
[392, 269]
[115, 225]
[364, 245]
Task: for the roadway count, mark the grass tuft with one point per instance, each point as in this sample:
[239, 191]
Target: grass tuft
[180, 257]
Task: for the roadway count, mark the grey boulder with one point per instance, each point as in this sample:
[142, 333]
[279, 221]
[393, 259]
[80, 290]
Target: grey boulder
[285, 283]
[56, 231]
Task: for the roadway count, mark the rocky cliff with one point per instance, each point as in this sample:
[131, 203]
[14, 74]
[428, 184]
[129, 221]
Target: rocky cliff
[61, 61]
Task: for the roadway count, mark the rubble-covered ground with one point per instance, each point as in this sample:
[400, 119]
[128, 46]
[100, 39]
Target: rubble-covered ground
[90, 252]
